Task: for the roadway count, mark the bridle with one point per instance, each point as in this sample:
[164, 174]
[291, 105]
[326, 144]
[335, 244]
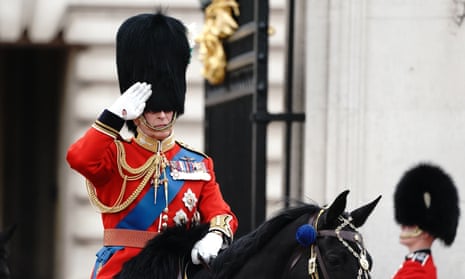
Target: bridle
[343, 236]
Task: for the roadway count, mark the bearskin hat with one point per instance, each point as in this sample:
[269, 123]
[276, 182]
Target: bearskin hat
[427, 197]
[154, 48]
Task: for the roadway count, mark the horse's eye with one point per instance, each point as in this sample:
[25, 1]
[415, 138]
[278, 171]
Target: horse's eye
[335, 260]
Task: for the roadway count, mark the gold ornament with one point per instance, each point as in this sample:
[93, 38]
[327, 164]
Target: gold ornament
[219, 24]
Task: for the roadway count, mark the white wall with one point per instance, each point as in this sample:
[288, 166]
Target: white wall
[388, 92]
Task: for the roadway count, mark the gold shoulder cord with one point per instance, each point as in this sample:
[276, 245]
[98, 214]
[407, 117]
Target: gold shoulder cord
[146, 171]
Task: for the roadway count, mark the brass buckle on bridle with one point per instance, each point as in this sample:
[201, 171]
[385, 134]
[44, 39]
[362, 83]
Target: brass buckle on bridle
[312, 261]
[312, 268]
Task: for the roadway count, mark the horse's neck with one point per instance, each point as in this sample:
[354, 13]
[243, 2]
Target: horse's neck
[278, 247]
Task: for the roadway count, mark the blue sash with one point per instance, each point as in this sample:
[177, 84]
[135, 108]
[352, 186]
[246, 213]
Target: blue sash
[143, 215]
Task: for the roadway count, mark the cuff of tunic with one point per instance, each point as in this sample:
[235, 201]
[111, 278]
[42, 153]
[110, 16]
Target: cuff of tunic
[220, 223]
[109, 123]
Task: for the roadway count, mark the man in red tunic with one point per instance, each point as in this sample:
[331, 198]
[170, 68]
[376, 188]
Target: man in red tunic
[427, 208]
[150, 182]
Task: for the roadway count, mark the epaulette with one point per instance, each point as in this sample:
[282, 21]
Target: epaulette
[419, 256]
[190, 148]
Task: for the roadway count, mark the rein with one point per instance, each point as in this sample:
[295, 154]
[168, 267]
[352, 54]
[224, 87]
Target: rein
[343, 236]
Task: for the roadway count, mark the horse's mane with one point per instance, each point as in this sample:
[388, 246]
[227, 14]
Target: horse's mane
[242, 249]
[161, 256]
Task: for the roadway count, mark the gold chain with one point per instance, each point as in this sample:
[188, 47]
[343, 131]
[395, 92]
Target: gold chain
[146, 171]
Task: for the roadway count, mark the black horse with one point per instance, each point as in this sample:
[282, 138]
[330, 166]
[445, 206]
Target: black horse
[4, 238]
[306, 241]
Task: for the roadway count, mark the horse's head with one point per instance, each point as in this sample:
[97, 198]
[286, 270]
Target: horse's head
[336, 247]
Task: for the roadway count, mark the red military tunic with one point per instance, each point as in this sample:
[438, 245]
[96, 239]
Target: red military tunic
[417, 265]
[117, 167]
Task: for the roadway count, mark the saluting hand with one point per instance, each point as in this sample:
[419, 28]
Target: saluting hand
[130, 105]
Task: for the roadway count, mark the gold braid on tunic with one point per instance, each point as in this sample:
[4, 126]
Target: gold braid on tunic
[151, 168]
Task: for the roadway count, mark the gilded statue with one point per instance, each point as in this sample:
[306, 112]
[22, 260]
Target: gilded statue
[219, 25]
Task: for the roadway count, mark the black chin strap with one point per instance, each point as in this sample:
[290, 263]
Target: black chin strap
[158, 129]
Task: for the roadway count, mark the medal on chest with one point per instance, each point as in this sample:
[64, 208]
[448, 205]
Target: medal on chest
[188, 169]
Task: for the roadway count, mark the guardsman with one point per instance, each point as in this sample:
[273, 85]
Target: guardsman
[426, 207]
[149, 182]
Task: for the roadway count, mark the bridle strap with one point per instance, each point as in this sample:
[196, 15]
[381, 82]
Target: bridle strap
[322, 263]
[346, 235]
[315, 253]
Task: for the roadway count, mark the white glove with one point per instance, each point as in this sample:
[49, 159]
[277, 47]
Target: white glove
[131, 103]
[207, 248]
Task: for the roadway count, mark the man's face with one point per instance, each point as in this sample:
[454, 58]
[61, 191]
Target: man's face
[158, 120]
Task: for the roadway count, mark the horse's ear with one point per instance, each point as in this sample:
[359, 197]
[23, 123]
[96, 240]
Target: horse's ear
[337, 207]
[360, 215]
